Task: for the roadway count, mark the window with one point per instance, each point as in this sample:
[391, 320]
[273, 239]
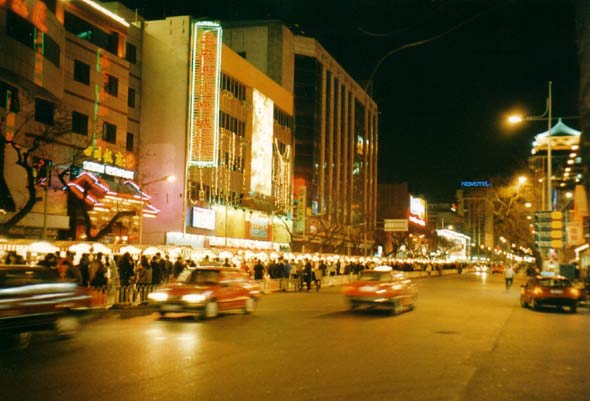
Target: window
[130, 53]
[91, 33]
[129, 143]
[79, 123]
[44, 111]
[81, 72]
[109, 133]
[131, 98]
[111, 85]
[8, 97]
[22, 30]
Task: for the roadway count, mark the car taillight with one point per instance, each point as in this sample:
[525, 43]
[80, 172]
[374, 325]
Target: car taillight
[537, 290]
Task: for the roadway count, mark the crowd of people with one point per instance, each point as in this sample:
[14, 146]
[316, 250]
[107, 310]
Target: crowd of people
[99, 270]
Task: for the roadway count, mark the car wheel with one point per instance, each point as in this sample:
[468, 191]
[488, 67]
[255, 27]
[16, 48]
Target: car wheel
[162, 313]
[522, 303]
[67, 326]
[211, 310]
[533, 304]
[397, 308]
[352, 305]
[573, 308]
[249, 305]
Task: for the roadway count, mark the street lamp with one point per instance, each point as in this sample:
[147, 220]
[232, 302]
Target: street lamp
[516, 119]
[143, 185]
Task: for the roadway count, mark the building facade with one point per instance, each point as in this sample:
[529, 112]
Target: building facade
[336, 137]
[68, 83]
[213, 120]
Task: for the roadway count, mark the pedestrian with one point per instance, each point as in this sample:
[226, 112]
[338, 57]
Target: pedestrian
[307, 274]
[178, 266]
[144, 271]
[258, 270]
[508, 276]
[126, 268]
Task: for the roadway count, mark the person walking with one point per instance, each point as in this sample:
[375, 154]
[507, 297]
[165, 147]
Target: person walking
[508, 276]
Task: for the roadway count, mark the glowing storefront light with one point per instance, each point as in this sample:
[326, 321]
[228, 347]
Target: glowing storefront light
[204, 94]
[262, 132]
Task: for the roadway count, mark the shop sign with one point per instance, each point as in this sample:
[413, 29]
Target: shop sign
[105, 155]
[108, 170]
[203, 218]
[476, 184]
[259, 227]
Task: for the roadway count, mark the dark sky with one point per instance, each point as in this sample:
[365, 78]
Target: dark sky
[441, 103]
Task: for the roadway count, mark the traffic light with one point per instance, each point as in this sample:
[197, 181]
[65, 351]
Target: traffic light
[42, 171]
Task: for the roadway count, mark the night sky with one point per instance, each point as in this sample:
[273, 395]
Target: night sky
[441, 103]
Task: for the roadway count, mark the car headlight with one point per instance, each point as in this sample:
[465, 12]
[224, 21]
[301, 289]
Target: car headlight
[194, 298]
[158, 296]
[575, 292]
[537, 290]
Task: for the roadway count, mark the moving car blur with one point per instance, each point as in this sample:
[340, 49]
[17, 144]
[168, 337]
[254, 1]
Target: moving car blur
[207, 291]
[550, 290]
[381, 288]
[33, 298]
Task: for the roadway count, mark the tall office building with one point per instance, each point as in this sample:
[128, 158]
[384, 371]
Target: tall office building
[336, 137]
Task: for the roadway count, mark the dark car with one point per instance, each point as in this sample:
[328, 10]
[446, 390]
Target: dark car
[206, 291]
[33, 298]
[550, 290]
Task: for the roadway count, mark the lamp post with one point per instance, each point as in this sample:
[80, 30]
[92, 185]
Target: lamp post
[516, 119]
[143, 185]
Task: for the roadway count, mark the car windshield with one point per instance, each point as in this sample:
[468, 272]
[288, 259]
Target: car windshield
[554, 283]
[374, 276]
[22, 276]
[199, 276]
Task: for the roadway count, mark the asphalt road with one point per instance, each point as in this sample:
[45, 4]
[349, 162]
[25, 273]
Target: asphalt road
[468, 339]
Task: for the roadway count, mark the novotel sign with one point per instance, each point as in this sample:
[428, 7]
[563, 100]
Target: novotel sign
[476, 184]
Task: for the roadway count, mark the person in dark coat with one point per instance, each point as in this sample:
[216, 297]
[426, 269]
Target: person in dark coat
[126, 268]
[307, 274]
[258, 270]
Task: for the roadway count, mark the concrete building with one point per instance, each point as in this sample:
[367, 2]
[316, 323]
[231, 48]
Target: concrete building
[226, 136]
[68, 90]
[117, 105]
[336, 138]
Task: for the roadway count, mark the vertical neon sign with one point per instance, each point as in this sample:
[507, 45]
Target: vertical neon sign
[204, 94]
[262, 133]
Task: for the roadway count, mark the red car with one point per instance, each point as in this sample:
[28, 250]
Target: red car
[32, 298]
[552, 290]
[381, 288]
[207, 291]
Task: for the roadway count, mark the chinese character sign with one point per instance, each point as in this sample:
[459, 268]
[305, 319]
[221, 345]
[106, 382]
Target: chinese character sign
[204, 95]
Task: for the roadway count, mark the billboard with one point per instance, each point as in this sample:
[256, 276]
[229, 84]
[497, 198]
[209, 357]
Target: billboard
[203, 218]
[262, 134]
[417, 211]
[205, 70]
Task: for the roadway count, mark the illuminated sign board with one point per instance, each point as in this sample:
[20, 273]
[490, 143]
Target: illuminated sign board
[417, 211]
[204, 94]
[259, 227]
[476, 184]
[203, 218]
[108, 170]
[262, 132]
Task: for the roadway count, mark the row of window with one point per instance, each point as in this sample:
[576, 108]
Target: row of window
[110, 84]
[283, 118]
[234, 87]
[232, 124]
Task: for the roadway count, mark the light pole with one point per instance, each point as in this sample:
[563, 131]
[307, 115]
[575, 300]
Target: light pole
[143, 185]
[516, 119]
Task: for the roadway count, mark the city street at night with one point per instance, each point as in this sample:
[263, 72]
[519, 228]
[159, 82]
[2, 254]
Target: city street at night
[467, 339]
